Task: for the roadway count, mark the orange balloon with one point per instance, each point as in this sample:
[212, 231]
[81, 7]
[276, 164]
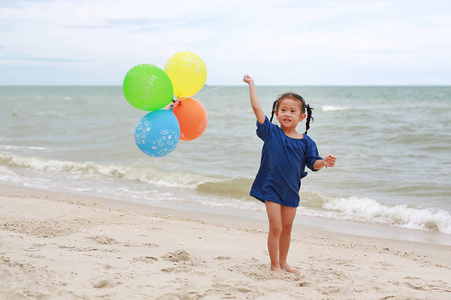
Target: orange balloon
[192, 118]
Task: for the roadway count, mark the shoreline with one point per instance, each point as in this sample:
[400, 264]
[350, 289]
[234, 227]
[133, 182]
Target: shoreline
[370, 230]
[355, 228]
[75, 246]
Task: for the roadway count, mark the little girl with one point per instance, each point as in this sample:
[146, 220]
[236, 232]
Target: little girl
[284, 157]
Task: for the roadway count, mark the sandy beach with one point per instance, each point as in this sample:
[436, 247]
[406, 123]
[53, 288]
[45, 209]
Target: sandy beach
[68, 246]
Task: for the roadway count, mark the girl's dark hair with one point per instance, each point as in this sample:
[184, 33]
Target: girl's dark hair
[305, 107]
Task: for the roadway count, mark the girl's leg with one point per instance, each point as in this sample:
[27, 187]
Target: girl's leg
[275, 228]
[287, 218]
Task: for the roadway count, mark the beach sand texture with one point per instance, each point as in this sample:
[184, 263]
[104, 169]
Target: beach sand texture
[67, 246]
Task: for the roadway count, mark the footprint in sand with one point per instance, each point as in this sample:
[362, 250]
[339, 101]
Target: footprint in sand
[103, 239]
[106, 283]
[184, 262]
[179, 255]
[420, 284]
[146, 259]
[223, 258]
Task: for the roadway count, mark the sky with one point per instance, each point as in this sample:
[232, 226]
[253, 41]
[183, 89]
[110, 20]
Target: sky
[278, 42]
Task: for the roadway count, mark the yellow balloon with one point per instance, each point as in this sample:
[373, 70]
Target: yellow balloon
[187, 72]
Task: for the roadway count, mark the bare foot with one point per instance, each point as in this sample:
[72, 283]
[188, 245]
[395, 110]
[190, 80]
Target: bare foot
[277, 270]
[290, 269]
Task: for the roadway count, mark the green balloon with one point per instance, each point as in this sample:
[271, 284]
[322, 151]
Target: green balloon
[147, 87]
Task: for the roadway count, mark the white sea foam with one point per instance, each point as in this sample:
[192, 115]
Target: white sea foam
[23, 148]
[86, 170]
[8, 175]
[369, 210]
[50, 113]
[333, 108]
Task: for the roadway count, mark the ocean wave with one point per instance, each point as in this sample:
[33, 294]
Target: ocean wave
[327, 108]
[222, 186]
[371, 211]
[50, 113]
[23, 148]
[87, 170]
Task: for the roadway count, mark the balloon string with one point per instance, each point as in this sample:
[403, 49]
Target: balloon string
[216, 88]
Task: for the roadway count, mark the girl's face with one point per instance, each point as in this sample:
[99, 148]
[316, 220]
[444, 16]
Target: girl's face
[290, 113]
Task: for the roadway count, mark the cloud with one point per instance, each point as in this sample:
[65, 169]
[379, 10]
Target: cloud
[278, 42]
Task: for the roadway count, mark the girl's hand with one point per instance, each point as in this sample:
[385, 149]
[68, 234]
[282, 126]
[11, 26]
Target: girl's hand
[248, 79]
[254, 99]
[329, 161]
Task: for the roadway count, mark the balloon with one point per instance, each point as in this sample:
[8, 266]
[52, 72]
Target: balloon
[192, 118]
[147, 87]
[187, 72]
[157, 133]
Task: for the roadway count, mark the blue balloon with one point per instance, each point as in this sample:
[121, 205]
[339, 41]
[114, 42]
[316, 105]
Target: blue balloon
[157, 133]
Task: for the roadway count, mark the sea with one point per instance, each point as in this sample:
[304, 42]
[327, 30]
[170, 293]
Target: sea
[392, 177]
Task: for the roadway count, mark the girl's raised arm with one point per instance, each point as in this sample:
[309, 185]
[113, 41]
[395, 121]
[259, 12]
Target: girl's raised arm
[254, 100]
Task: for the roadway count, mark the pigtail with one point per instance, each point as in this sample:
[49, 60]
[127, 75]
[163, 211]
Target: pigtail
[309, 117]
[274, 107]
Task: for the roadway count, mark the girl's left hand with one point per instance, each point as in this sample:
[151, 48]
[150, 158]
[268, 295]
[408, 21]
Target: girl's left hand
[329, 161]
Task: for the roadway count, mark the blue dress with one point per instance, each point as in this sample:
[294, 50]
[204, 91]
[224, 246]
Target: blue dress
[282, 165]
